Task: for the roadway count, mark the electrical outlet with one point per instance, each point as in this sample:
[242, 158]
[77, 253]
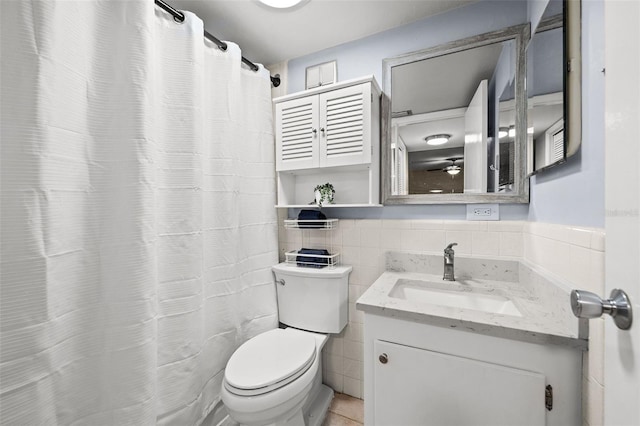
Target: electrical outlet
[483, 212]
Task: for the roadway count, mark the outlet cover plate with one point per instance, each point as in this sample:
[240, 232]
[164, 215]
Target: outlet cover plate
[483, 212]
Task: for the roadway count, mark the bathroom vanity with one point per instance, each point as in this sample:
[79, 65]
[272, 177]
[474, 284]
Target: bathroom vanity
[499, 346]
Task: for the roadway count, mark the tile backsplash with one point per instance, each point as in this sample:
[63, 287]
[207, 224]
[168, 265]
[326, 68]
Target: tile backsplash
[574, 256]
[465, 267]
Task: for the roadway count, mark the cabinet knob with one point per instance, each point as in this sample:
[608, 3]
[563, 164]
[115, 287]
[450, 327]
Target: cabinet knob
[383, 358]
[315, 131]
[322, 130]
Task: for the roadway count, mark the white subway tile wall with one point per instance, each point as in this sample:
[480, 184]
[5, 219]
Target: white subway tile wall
[574, 255]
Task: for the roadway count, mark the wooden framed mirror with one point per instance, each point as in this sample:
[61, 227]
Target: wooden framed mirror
[468, 96]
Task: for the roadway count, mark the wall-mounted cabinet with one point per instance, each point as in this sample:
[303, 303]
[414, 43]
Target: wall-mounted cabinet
[329, 134]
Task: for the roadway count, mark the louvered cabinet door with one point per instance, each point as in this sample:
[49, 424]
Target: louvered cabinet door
[345, 126]
[297, 134]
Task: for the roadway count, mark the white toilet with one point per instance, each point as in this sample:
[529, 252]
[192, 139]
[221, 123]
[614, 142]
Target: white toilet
[275, 378]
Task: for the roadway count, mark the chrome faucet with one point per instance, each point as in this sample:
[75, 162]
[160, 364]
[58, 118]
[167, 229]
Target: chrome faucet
[448, 263]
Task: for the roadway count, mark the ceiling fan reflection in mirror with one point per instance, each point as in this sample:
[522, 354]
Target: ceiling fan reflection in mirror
[453, 168]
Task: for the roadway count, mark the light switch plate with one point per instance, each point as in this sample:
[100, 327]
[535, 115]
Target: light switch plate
[483, 212]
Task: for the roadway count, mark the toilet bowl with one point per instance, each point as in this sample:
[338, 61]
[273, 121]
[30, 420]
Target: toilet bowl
[275, 378]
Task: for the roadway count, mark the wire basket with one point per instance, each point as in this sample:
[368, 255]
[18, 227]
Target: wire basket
[311, 223]
[312, 260]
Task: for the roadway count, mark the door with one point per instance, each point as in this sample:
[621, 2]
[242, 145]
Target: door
[622, 217]
[297, 135]
[476, 132]
[345, 126]
[420, 387]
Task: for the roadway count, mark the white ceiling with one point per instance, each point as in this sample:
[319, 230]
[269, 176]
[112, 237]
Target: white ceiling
[413, 135]
[270, 36]
[439, 85]
[443, 82]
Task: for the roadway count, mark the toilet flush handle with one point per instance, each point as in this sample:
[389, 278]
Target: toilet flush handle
[281, 282]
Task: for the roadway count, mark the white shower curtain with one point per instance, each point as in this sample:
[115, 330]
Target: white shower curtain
[137, 219]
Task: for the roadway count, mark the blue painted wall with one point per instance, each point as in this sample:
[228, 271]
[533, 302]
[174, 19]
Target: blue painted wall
[364, 56]
[571, 194]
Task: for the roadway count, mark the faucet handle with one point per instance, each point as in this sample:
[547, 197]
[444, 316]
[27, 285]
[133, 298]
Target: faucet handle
[450, 246]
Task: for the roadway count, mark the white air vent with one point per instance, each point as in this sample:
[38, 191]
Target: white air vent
[321, 74]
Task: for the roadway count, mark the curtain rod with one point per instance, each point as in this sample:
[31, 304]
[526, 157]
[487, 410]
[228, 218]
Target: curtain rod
[179, 17]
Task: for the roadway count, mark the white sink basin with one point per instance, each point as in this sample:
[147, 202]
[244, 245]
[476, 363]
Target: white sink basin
[424, 292]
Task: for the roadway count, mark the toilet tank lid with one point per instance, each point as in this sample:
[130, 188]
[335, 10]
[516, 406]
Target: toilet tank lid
[327, 272]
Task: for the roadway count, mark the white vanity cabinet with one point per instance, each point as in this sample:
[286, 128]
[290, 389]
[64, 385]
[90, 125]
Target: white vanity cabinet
[421, 374]
[329, 134]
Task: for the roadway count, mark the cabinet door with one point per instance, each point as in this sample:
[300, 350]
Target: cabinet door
[345, 126]
[297, 134]
[420, 387]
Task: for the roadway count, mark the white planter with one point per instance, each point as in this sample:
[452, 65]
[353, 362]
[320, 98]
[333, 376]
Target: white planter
[320, 200]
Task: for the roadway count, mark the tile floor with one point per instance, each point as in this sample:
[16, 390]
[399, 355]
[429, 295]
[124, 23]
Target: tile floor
[345, 411]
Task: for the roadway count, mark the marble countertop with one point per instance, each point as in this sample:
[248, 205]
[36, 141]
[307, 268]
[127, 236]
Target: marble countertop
[546, 316]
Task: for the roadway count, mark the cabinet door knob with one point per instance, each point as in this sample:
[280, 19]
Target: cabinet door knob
[383, 358]
[322, 130]
[315, 131]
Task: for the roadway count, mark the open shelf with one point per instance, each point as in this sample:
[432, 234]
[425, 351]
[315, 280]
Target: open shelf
[355, 186]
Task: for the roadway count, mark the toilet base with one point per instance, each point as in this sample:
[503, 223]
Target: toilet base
[315, 414]
[314, 411]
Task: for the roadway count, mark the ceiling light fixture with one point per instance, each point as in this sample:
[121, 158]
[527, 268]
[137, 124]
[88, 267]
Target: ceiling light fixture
[282, 4]
[453, 170]
[437, 139]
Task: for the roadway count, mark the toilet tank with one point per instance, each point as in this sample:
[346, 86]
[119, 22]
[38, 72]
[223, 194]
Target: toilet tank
[313, 299]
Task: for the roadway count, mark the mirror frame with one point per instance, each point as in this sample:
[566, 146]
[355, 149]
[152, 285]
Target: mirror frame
[547, 25]
[521, 34]
[571, 22]
[573, 76]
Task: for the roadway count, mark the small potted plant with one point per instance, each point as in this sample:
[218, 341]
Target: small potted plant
[324, 194]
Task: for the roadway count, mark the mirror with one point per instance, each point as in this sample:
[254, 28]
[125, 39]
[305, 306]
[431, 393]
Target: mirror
[457, 124]
[551, 138]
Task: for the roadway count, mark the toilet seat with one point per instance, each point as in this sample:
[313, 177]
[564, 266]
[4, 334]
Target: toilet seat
[269, 361]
